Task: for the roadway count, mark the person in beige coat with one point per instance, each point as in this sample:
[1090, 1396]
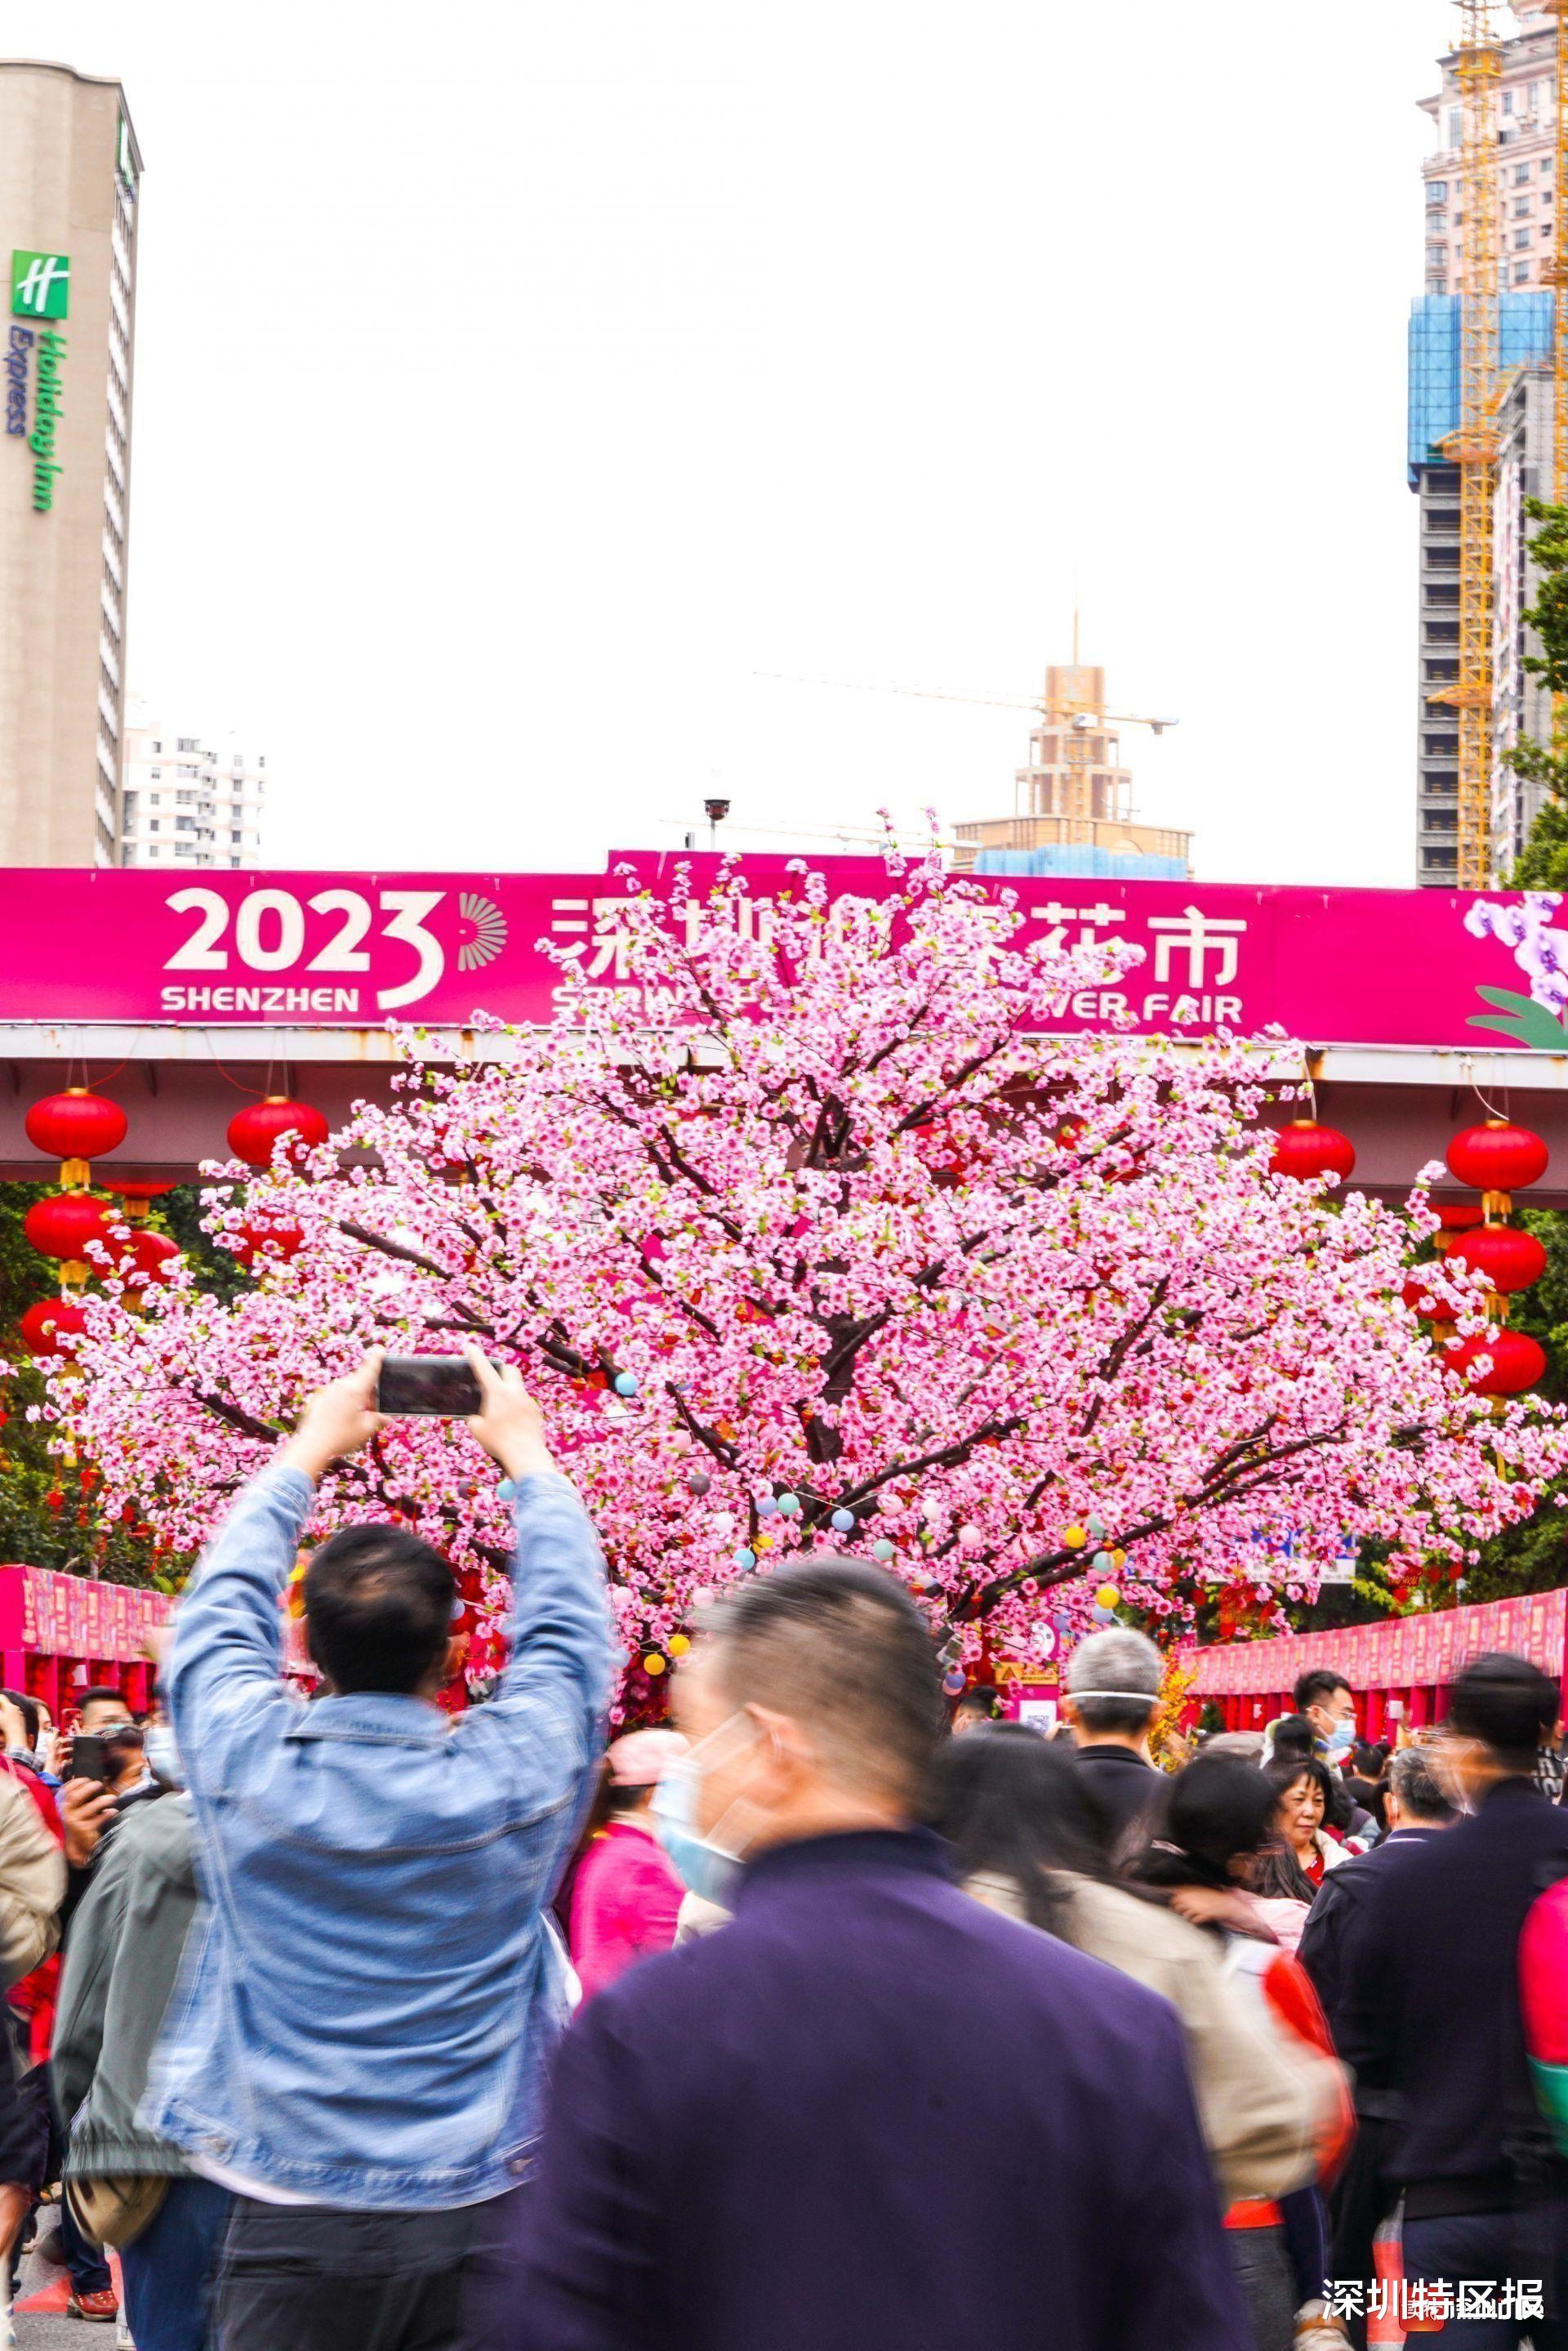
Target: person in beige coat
[1026, 1841]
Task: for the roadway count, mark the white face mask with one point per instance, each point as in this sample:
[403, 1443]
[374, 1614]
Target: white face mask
[163, 1756]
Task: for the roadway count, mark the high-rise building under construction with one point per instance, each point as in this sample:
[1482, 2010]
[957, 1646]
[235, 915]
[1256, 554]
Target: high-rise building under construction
[1521, 115]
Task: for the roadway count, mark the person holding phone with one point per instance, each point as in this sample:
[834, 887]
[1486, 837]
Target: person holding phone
[356, 2054]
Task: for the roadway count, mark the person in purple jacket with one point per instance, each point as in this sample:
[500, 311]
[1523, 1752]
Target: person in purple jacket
[869, 2114]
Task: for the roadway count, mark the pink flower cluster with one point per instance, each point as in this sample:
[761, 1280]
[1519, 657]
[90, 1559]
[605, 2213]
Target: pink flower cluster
[850, 1254]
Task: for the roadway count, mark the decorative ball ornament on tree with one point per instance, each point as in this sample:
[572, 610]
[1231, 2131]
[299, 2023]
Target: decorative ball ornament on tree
[75, 1127]
[1118, 1333]
[1305, 1150]
[1510, 1260]
[1497, 1159]
[255, 1131]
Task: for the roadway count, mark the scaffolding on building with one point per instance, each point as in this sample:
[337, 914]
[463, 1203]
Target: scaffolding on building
[1472, 447]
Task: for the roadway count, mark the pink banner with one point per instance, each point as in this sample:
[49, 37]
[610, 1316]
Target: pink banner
[1329, 966]
[1393, 1655]
[52, 1615]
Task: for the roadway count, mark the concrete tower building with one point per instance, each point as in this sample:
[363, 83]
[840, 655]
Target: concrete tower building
[70, 170]
[190, 798]
[1526, 202]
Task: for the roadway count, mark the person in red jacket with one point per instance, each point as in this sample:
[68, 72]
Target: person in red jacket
[626, 1897]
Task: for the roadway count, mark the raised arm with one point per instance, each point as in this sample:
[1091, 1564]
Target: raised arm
[228, 1636]
[552, 1692]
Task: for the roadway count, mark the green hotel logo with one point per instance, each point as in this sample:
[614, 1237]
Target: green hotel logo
[40, 285]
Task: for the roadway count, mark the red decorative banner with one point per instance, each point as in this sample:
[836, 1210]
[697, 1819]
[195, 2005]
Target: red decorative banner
[1402, 1651]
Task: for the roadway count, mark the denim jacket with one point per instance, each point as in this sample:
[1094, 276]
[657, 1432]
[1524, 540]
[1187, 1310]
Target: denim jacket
[366, 2016]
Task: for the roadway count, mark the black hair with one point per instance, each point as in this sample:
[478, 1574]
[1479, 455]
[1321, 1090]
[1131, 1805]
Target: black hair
[1315, 1686]
[1369, 1759]
[981, 1699]
[1015, 1807]
[1507, 1704]
[378, 1609]
[28, 1708]
[1276, 1872]
[1217, 1811]
[1293, 1735]
[840, 1645]
[102, 1697]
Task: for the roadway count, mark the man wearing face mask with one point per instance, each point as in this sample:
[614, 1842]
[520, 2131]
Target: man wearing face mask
[1327, 1701]
[868, 2110]
[127, 2186]
[1430, 2018]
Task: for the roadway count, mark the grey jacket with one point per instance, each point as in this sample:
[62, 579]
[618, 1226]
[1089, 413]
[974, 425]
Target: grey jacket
[120, 1970]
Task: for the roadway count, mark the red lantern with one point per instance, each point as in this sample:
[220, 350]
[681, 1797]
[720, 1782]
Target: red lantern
[74, 1127]
[46, 1321]
[258, 1239]
[1517, 1363]
[136, 1198]
[1510, 1259]
[1497, 1157]
[62, 1225]
[1417, 1295]
[255, 1130]
[151, 1257]
[1305, 1150]
[1459, 1215]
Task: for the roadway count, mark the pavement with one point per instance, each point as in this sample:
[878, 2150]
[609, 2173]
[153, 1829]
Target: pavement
[36, 2331]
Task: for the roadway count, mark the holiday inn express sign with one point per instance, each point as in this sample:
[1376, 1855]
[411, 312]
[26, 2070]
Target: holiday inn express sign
[41, 291]
[1401, 968]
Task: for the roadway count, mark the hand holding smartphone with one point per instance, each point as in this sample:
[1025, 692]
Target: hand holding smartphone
[438, 1386]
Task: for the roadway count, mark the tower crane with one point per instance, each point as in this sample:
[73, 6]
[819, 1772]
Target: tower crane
[1473, 447]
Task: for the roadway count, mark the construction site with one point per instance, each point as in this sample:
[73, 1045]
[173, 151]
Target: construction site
[1488, 428]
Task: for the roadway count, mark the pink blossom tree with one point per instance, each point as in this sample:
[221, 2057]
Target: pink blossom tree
[845, 1251]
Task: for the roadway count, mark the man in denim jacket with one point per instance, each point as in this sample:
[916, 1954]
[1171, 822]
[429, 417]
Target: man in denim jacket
[357, 2046]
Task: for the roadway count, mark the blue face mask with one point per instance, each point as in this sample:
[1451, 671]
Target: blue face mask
[708, 1867]
[1340, 1741]
[701, 1867]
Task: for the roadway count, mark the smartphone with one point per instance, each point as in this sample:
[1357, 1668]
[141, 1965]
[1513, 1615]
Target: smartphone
[438, 1385]
[88, 1761]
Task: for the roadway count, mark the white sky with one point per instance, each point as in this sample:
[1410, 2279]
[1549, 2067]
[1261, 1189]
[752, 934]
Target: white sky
[514, 384]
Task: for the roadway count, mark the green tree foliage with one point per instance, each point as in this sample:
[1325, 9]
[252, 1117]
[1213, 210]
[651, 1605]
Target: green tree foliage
[1542, 864]
[69, 1533]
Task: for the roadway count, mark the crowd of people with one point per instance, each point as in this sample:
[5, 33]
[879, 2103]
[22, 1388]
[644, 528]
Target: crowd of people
[828, 2014]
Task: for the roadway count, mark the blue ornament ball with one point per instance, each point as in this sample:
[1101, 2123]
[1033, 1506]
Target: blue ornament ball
[697, 1481]
[842, 1522]
[952, 1681]
[625, 1384]
[766, 1507]
[1103, 1564]
[746, 1557]
[508, 1490]
[789, 1506]
[1104, 1616]
[882, 1549]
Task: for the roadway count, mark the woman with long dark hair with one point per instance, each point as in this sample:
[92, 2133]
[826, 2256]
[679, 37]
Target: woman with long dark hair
[1028, 1837]
[1214, 1853]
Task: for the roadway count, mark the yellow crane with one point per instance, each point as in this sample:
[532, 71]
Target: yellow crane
[1477, 69]
[1557, 273]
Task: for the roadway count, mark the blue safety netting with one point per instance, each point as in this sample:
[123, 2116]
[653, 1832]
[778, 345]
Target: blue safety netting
[1524, 333]
[1079, 863]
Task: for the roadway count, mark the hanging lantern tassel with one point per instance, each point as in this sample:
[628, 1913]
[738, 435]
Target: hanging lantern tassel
[1497, 1160]
[75, 1127]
